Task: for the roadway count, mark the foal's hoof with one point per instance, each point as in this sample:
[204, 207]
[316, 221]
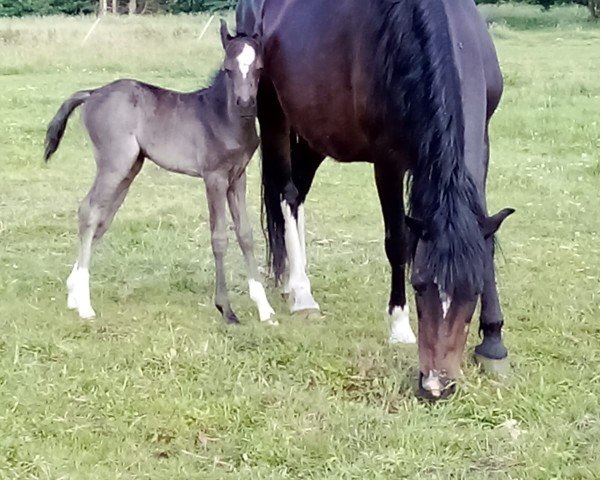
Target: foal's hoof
[87, 313]
[498, 368]
[231, 319]
[311, 314]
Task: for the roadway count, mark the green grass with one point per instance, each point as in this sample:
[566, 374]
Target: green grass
[527, 17]
[156, 387]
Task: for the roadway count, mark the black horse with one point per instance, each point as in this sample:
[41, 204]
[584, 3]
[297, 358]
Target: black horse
[410, 86]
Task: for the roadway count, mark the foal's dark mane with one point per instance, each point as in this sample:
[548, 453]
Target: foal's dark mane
[417, 79]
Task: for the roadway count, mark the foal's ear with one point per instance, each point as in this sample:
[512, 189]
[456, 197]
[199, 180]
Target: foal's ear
[490, 225]
[225, 37]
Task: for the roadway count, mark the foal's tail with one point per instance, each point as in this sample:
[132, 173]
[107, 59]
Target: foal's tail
[56, 128]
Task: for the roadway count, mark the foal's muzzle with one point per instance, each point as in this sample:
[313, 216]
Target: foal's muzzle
[247, 107]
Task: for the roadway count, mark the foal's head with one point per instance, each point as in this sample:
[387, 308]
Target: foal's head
[243, 64]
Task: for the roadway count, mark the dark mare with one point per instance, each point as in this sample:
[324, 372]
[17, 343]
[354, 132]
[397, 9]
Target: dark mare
[410, 86]
[210, 134]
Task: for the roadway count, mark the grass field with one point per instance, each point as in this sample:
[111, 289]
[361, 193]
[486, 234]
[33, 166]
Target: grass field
[156, 387]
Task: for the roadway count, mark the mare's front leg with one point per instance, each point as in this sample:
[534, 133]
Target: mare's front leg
[216, 194]
[491, 354]
[236, 196]
[389, 178]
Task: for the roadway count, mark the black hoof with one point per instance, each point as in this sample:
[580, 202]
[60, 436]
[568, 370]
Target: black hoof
[492, 348]
[231, 319]
[228, 316]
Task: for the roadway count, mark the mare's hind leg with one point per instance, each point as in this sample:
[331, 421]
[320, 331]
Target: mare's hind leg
[96, 213]
[236, 196]
[280, 197]
[389, 179]
[216, 194]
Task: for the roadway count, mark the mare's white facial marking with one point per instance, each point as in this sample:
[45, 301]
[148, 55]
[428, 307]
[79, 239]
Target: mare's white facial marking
[446, 302]
[245, 59]
[445, 299]
[401, 329]
[433, 384]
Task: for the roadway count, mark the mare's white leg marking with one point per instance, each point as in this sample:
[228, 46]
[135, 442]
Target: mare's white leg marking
[299, 283]
[302, 234]
[245, 59]
[258, 296]
[78, 286]
[401, 330]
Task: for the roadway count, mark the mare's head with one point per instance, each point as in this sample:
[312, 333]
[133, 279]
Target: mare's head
[243, 64]
[448, 276]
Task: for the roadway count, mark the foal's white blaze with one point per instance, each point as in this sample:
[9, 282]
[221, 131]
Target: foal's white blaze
[245, 59]
[401, 329]
[258, 296]
[299, 284]
[78, 286]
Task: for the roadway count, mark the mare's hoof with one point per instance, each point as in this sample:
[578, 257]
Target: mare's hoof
[308, 314]
[499, 368]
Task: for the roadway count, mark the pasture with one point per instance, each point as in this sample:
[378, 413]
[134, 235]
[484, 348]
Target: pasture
[157, 387]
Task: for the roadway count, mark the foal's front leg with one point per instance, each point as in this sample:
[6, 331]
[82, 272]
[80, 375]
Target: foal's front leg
[236, 195]
[216, 194]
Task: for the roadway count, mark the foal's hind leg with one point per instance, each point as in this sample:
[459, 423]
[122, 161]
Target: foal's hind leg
[236, 195]
[216, 194]
[96, 213]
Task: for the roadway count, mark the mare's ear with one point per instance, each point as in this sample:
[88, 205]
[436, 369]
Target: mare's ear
[225, 37]
[490, 225]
